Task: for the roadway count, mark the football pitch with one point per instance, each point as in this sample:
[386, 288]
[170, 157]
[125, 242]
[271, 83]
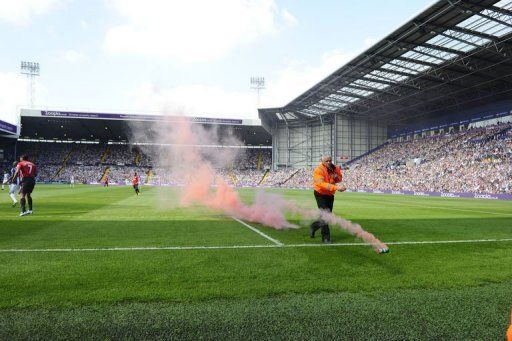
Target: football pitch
[102, 263]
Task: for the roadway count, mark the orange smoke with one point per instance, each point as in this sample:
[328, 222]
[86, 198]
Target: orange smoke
[509, 331]
[203, 185]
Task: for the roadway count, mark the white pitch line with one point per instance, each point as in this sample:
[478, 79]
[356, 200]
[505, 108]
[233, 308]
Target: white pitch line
[452, 241]
[141, 248]
[275, 241]
[270, 246]
[439, 207]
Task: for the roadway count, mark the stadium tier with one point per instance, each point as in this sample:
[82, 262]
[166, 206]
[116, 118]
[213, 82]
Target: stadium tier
[466, 157]
[87, 163]
[477, 160]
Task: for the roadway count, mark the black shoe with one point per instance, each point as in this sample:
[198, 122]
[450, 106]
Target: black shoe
[14, 205]
[326, 241]
[312, 231]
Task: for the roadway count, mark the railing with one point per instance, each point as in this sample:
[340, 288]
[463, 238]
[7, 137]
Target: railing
[105, 174]
[63, 166]
[264, 177]
[105, 154]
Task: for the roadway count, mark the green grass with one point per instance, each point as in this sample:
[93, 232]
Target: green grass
[418, 291]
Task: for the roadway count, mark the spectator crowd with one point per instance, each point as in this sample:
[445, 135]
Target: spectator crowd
[477, 160]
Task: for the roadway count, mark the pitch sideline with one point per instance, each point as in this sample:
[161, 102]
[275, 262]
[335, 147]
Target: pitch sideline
[252, 228]
[268, 246]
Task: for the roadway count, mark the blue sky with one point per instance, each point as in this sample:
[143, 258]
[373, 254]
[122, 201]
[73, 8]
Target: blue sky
[193, 57]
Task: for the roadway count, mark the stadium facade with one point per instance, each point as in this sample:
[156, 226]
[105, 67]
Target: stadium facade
[105, 128]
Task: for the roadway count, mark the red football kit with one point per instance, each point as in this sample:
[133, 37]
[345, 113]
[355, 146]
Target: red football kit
[26, 169]
[135, 180]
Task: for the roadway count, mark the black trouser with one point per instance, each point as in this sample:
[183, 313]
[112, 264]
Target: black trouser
[324, 202]
[27, 186]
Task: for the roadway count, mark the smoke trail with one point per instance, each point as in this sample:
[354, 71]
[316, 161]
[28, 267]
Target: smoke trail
[201, 182]
[354, 229]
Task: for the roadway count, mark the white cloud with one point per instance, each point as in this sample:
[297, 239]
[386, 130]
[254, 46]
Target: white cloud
[193, 30]
[13, 88]
[370, 41]
[72, 56]
[297, 77]
[209, 100]
[194, 100]
[84, 25]
[20, 12]
[289, 18]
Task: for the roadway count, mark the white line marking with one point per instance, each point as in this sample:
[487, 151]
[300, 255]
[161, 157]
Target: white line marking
[275, 241]
[452, 241]
[142, 248]
[269, 246]
[438, 207]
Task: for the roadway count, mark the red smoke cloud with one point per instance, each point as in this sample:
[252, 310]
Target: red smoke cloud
[203, 185]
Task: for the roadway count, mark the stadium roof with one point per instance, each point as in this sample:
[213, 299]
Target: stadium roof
[116, 127]
[453, 56]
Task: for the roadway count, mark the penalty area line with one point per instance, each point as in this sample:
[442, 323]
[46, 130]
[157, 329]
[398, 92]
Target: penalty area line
[268, 246]
[252, 228]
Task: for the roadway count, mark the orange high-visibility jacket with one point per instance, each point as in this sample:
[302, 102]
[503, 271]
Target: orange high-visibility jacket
[325, 182]
[509, 331]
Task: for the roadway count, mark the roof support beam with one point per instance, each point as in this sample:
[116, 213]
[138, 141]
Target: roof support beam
[366, 88]
[445, 77]
[492, 8]
[479, 8]
[471, 97]
[349, 94]
[299, 115]
[484, 46]
[356, 104]
[436, 95]
[400, 84]
[395, 72]
[325, 106]
[416, 61]
[450, 74]
[333, 99]
[347, 81]
[438, 91]
[440, 76]
[464, 31]
[442, 48]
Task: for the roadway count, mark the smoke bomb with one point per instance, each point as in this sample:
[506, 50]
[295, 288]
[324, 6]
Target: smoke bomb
[181, 157]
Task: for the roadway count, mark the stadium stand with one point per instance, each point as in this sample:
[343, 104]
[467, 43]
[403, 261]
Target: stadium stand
[87, 162]
[478, 160]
